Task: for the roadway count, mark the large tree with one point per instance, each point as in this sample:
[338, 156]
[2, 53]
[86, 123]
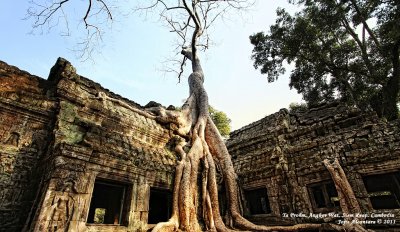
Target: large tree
[198, 144]
[347, 50]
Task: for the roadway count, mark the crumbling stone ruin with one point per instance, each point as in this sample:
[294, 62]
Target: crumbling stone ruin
[279, 162]
[65, 153]
[71, 159]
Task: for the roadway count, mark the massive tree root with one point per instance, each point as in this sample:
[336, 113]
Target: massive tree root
[347, 199]
[201, 148]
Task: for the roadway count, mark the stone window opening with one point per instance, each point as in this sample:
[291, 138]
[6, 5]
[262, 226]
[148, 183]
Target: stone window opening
[324, 196]
[383, 190]
[109, 203]
[160, 205]
[257, 201]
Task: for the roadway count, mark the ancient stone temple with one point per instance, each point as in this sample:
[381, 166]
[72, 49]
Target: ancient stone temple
[279, 161]
[76, 157]
[73, 161]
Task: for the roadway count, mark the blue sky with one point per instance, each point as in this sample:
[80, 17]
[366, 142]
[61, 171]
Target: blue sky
[130, 59]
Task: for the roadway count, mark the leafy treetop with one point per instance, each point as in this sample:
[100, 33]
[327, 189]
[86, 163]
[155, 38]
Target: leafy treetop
[347, 50]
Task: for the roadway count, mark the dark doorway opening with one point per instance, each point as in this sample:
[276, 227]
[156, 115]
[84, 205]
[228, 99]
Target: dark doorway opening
[383, 190]
[107, 204]
[160, 206]
[257, 201]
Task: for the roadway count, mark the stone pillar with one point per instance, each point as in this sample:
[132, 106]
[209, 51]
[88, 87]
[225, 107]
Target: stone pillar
[140, 201]
[66, 200]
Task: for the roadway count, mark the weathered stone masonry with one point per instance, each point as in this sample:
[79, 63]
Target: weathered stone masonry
[283, 154]
[67, 153]
[57, 138]
[26, 115]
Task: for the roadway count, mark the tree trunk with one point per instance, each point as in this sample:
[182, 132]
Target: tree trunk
[391, 90]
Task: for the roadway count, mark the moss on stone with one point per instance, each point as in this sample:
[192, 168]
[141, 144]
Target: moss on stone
[71, 133]
[67, 111]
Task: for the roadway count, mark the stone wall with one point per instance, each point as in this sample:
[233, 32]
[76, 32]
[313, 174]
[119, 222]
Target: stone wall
[283, 153]
[26, 116]
[59, 136]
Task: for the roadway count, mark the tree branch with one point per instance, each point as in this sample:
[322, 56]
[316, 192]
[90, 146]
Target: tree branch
[361, 46]
[87, 13]
[366, 26]
[46, 13]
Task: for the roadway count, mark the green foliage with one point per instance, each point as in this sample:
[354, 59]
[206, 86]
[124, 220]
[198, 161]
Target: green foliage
[99, 214]
[297, 107]
[69, 132]
[221, 121]
[347, 50]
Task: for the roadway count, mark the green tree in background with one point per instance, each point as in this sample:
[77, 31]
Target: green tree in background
[221, 121]
[295, 107]
[347, 50]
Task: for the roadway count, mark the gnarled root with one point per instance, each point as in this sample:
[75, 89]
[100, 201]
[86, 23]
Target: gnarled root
[209, 151]
[206, 150]
[347, 199]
